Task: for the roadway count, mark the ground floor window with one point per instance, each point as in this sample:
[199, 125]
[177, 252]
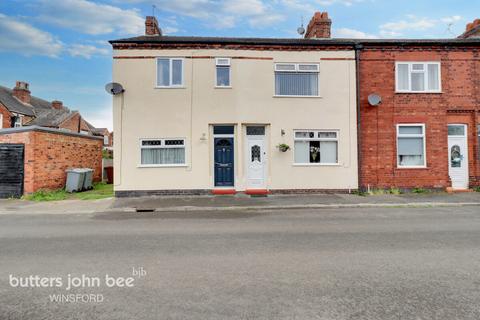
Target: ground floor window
[163, 152]
[316, 146]
[411, 145]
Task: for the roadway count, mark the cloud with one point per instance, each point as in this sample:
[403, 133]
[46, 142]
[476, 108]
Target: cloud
[244, 7]
[451, 19]
[298, 5]
[89, 17]
[86, 51]
[413, 23]
[344, 2]
[352, 33]
[169, 30]
[20, 37]
[100, 118]
[223, 14]
[265, 20]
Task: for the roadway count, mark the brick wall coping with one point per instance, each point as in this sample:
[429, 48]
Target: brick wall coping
[47, 130]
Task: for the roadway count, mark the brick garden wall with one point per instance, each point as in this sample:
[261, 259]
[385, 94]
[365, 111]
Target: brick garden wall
[459, 102]
[48, 155]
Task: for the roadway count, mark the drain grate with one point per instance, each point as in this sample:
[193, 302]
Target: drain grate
[144, 210]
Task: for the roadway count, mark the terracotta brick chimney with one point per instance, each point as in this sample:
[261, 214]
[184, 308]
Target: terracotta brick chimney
[319, 26]
[472, 30]
[21, 91]
[56, 104]
[151, 27]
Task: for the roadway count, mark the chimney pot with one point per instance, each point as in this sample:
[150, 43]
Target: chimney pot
[151, 27]
[319, 26]
[21, 91]
[56, 104]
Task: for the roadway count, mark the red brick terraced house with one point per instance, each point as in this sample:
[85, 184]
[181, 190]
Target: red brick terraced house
[425, 132]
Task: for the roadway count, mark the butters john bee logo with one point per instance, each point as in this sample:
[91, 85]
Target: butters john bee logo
[71, 282]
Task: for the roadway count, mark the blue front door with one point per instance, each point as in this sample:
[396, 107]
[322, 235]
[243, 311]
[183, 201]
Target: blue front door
[223, 162]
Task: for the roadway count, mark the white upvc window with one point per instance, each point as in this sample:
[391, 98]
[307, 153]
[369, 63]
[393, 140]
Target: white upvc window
[1, 121]
[411, 150]
[296, 79]
[162, 152]
[18, 121]
[222, 72]
[418, 77]
[170, 72]
[316, 147]
[105, 140]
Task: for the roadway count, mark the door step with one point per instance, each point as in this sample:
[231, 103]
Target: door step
[452, 190]
[256, 192]
[223, 191]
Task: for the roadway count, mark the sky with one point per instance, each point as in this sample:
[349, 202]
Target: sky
[61, 47]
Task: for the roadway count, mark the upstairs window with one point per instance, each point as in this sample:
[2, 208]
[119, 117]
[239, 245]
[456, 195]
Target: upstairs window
[169, 72]
[105, 140]
[222, 72]
[411, 145]
[418, 77]
[17, 121]
[296, 79]
[166, 152]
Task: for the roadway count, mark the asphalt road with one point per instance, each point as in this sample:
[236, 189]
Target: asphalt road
[416, 263]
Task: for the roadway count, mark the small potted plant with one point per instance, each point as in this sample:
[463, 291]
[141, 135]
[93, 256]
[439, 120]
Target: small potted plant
[283, 147]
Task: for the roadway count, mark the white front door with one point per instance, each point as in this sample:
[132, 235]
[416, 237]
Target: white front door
[256, 157]
[458, 156]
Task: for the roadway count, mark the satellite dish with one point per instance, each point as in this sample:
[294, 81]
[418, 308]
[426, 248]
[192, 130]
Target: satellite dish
[374, 99]
[114, 88]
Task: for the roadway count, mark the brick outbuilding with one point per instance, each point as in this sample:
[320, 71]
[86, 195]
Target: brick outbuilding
[47, 153]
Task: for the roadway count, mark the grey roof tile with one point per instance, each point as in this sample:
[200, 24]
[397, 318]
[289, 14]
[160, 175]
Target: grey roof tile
[13, 104]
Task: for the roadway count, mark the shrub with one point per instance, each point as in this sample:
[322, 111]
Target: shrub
[394, 190]
[419, 190]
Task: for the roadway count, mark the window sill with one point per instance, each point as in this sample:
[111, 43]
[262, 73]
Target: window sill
[412, 167]
[419, 92]
[316, 164]
[222, 87]
[170, 87]
[280, 96]
[162, 166]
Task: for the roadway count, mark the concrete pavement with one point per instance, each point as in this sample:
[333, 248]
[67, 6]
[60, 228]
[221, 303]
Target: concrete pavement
[239, 202]
[362, 263]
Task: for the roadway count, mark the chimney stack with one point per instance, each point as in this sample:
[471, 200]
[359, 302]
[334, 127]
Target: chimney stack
[56, 104]
[319, 26]
[21, 92]
[151, 27]
[472, 30]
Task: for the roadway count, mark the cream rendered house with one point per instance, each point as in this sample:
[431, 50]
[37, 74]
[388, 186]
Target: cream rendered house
[201, 115]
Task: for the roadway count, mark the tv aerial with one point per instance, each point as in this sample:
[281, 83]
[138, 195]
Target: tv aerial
[301, 29]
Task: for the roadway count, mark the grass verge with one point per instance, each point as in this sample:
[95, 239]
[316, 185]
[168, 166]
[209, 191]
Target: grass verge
[100, 191]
